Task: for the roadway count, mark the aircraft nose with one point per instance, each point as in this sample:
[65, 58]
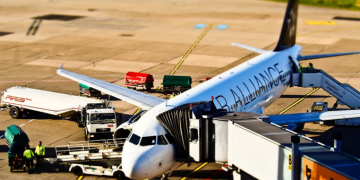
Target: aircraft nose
[139, 170]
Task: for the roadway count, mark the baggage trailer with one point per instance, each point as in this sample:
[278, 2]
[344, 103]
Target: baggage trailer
[16, 139]
[98, 118]
[176, 83]
[90, 92]
[139, 80]
[96, 157]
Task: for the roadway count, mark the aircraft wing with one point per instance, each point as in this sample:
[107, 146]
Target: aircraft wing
[142, 100]
[282, 119]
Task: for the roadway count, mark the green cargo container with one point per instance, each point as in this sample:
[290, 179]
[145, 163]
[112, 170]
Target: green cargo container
[16, 139]
[84, 89]
[176, 83]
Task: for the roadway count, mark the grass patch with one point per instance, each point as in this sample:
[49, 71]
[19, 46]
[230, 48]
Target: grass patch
[338, 4]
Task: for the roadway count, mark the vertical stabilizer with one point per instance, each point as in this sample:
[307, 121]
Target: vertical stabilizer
[288, 31]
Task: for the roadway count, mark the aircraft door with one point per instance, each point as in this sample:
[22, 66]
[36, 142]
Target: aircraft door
[195, 147]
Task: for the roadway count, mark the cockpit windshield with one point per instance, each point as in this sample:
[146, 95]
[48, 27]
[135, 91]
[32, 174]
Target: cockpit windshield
[100, 118]
[134, 139]
[161, 140]
[148, 141]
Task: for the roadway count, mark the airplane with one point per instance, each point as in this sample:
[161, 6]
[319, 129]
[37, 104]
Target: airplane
[149, 150]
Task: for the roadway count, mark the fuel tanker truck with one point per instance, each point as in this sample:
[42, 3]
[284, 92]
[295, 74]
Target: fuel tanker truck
[97, 116]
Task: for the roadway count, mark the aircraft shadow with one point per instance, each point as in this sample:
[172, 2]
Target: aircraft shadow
[350, 135]
[4, 148]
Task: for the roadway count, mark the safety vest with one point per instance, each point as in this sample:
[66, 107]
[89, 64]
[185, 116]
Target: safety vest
[40, 150]
[172, 96]
[28, 154]
[300, 69]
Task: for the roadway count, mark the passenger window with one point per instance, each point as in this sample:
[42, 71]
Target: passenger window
[135, 139]
[161, 140]
[148, 141]
[169, 138]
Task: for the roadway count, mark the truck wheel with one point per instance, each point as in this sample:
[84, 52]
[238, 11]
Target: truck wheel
[14, 112]
[86, 137]
[78, 121]
[119, 175]
[77, 171]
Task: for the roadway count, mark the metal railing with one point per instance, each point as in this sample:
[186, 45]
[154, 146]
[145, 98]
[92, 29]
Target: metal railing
[89, 146]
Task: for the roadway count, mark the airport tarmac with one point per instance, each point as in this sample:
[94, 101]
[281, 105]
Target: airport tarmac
[106, 39]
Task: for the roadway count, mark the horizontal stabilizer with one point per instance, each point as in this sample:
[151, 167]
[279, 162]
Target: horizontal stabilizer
[254, 49]
[283, 119]
[316, 56]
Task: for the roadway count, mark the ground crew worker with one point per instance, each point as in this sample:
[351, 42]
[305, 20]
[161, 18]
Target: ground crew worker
[39, 153]
[172, 95]
[29, 155]
[300, 69]
[310, 68]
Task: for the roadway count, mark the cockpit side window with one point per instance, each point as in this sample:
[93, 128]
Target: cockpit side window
[134, 139]
[161, 140]
[148, 141]
[169, 138]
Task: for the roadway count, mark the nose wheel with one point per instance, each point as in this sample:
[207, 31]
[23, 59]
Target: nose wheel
[165, 176]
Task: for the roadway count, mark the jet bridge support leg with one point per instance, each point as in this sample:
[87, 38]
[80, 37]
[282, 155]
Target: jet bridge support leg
[295, 169]
[236, 175]
[337, 142]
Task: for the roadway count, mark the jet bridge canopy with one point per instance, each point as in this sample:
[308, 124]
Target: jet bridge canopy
[176, 121]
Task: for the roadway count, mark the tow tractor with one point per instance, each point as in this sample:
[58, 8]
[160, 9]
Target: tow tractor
[96, 157]
[323, 107]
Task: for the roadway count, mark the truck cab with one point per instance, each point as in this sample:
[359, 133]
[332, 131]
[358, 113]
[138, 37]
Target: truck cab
[319, 107]
[99, 120]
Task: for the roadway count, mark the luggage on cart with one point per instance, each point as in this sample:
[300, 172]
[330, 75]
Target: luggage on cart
[16, 139]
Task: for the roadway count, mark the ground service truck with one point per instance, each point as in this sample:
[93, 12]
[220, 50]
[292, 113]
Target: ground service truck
[139, 80]
[98, 118]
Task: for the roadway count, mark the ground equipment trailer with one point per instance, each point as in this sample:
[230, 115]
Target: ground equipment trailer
[84, 89]
[139, 80]
[16, 139]
[95, 157]
[323, 107]
[176, 83]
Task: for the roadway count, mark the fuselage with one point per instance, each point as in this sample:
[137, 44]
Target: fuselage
[249, 87]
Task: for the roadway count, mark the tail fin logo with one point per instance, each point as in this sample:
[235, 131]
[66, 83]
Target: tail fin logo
[288, 31]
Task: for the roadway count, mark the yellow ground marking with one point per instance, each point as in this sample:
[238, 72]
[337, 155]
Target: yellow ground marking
[34, 27]
[137, 111]
[80, 177]
[320, 22]
[198, 168]
[192, 48]
[298, 101]
[188, 52]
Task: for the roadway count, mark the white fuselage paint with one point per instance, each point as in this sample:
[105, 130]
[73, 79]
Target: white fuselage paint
[253, 84]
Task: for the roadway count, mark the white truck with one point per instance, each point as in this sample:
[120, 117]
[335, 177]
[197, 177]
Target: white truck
[96, 115]
[323, 107]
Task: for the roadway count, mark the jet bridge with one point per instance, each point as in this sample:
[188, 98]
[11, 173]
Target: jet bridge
[344, 93]
[250, 142]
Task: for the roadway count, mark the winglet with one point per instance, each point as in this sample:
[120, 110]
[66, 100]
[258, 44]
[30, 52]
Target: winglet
[61, 66]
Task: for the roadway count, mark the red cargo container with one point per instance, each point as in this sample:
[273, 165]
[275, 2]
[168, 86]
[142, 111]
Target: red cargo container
[141, 80]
